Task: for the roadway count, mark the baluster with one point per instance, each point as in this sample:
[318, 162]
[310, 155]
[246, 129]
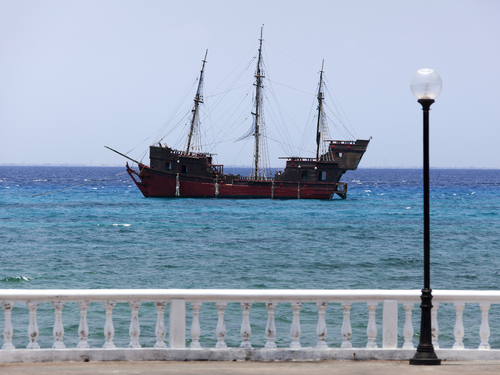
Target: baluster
[459, 326]
[271, 326]
[160, 330]
[434, 325]
[484, 331]
[58, 325]
[246, 330]
[83, 328]
[8, 332]
[220, 331]
[371, 329]
[346, 330]
[109, 330]
[295, 329]
[321, 328]
[195, 325]
[32, 327]
[134, 329]
[408, 328]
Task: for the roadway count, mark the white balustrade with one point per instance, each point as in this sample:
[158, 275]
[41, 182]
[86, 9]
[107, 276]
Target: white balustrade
[271, 325]
[484, 331]
[295, 329]
[109, 329]
[195, 325]
[408, 328]
[33, 327]
[459, 326]
[134, 329]
[346, 325]
[58, 325]
[83, 328]
[160, 330]
[371, 329]
[264, 301]
[321, 328]
[8, 332]
[221, 326]
[434, 325]
[246, 330]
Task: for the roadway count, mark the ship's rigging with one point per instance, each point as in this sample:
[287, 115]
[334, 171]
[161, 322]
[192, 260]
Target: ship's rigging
[198, 142]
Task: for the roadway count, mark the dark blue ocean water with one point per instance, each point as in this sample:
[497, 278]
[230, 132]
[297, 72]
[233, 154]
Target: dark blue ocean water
[104, 234]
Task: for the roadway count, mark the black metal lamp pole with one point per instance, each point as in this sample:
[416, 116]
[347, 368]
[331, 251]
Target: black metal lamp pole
[426, 85]
[425, 354]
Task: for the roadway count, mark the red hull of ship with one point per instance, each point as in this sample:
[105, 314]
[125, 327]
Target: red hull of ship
[156, 184]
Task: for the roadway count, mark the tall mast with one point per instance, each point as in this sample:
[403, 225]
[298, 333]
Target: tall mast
[320, 110]
[197, 100]
[258, 84]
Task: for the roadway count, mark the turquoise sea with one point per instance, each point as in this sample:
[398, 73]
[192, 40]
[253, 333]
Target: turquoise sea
[104, 234]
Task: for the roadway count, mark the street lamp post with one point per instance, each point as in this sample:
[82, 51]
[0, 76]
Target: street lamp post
[426, 86]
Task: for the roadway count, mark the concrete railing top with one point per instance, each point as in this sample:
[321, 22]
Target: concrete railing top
[238, 295]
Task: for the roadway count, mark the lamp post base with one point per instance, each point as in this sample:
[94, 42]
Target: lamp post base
[425, 359]
[425, 354]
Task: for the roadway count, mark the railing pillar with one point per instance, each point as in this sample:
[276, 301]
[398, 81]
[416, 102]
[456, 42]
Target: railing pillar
[371, 329]
[134, 330]
[109, 329]
[33, 327]
[58, 330]
[8, 332]
[459, 326]
[271, 325]
[434, 325]
[321, 329]
[83, 328]
[390, 324]
[408, 328]
[246, 329]
[195, 325]
[295, 330]
[484, 330]
[178, 323]
[220, 331]
[160, 330]
[346, 330]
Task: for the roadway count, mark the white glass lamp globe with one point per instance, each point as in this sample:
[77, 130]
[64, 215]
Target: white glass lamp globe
[426, 84]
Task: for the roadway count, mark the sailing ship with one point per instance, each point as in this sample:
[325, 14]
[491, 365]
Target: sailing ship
[190, 173]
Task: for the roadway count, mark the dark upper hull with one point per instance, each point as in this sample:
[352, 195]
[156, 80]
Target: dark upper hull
[175, 174]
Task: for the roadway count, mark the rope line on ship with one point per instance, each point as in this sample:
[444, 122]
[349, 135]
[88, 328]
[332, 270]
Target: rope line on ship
[280, 123]
[332, 94]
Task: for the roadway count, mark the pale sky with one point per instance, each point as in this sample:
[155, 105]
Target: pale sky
[78, 75]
